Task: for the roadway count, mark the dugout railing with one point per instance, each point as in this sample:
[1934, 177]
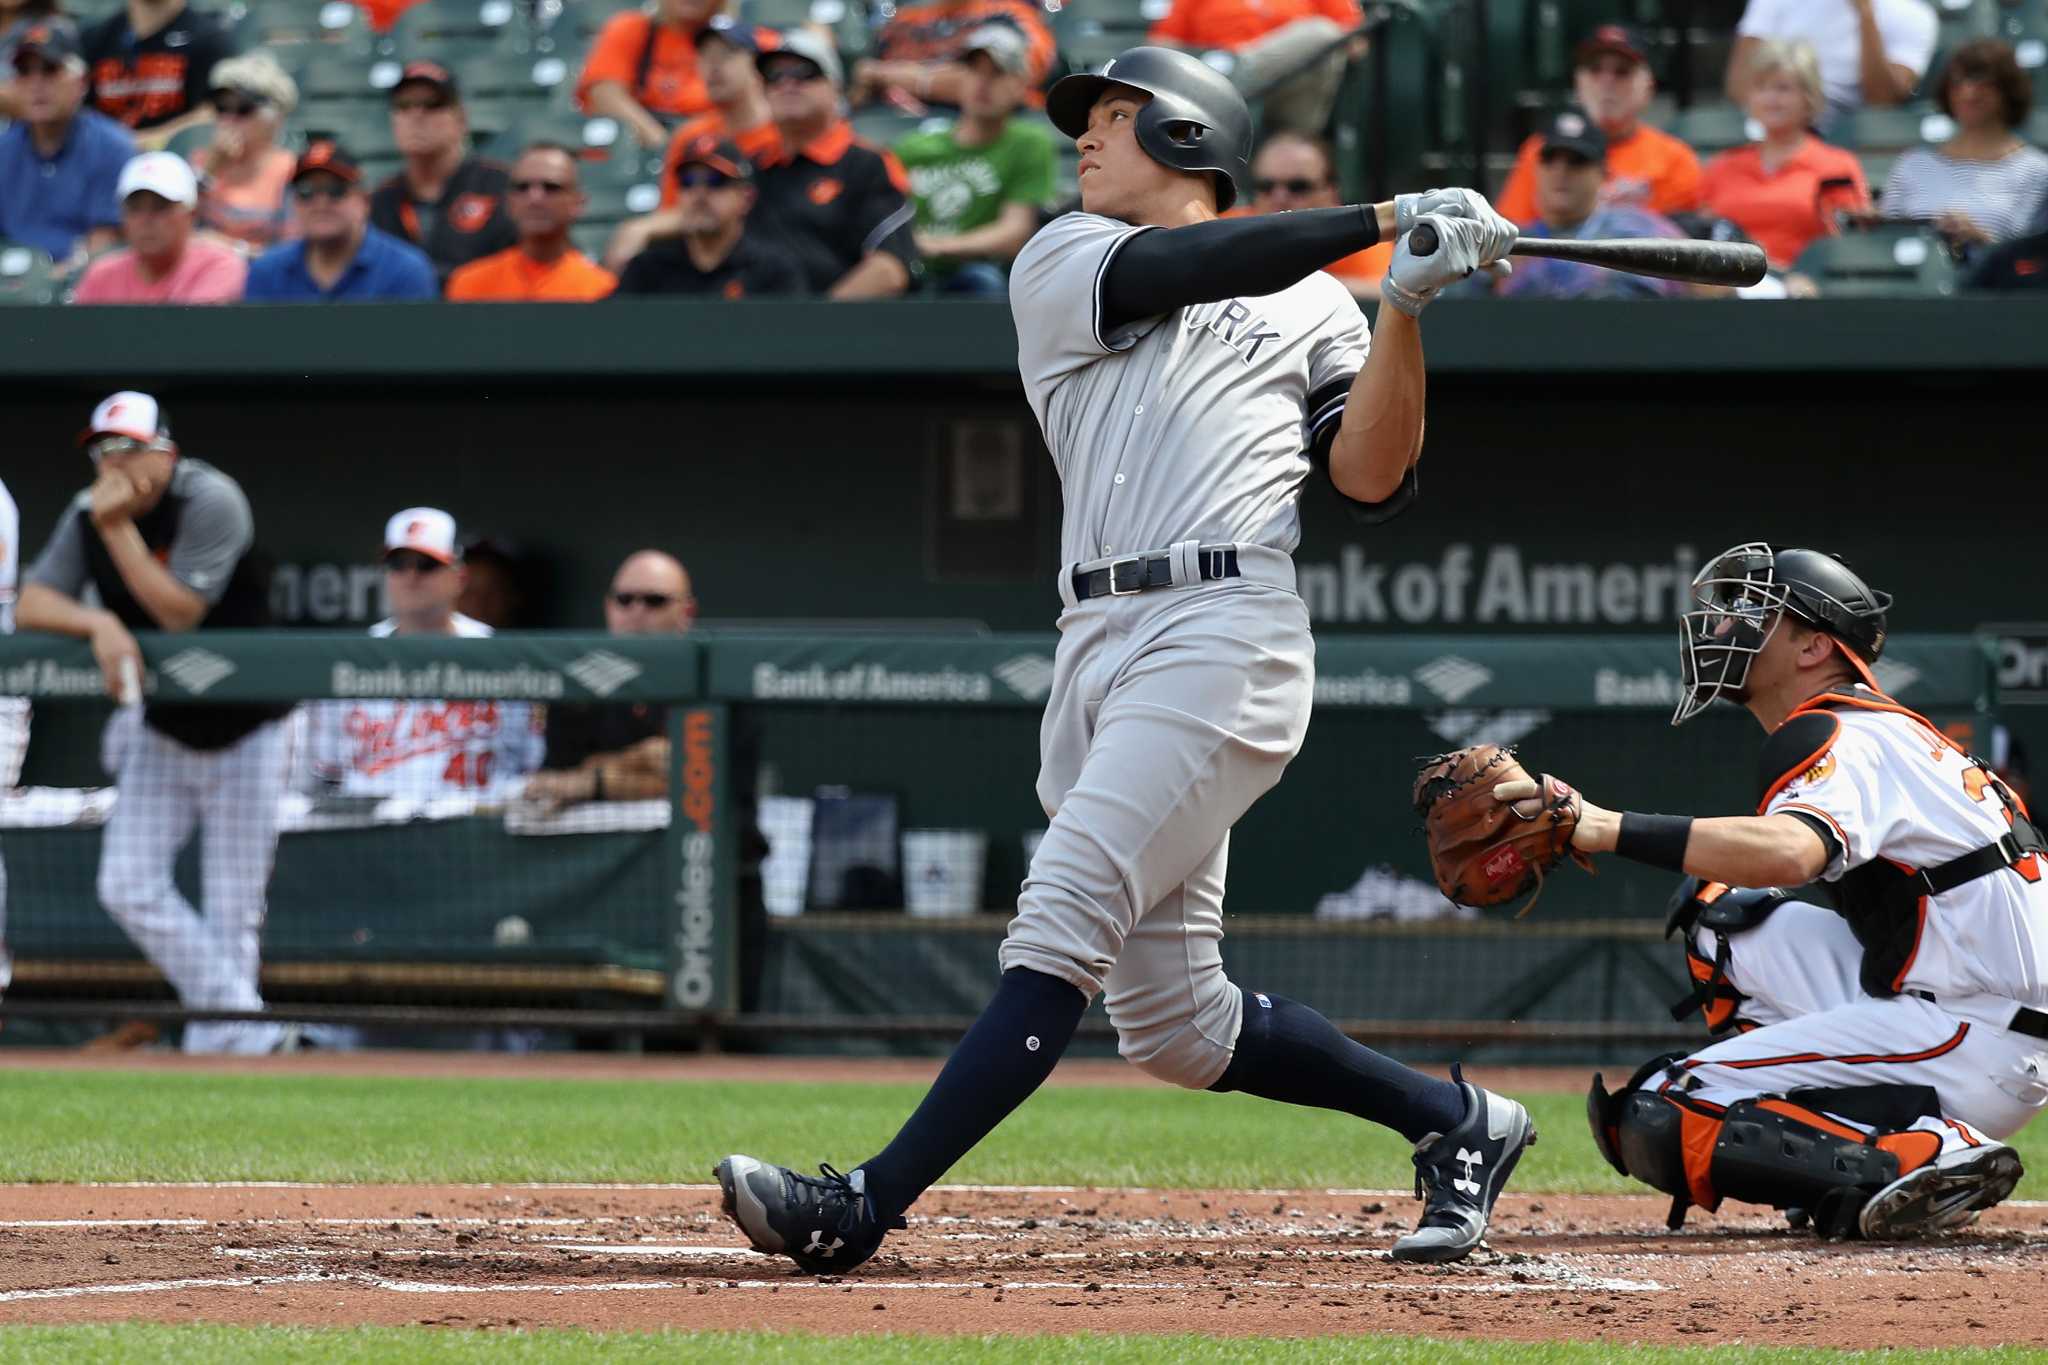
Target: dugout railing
[893, 779]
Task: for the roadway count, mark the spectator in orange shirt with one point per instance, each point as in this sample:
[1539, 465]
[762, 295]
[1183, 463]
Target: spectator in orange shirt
[383, 14]
[642, 69]
[1786, 190]
[546, 199]
[1296, 171]
[1646, 166]
[921, 52]
[726, 50]
[1268, 38]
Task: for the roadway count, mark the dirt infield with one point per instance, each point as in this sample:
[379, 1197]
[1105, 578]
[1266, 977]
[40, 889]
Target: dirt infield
[1008, 1260]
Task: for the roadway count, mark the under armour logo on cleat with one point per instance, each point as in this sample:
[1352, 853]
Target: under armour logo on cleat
[1471, 1161]
[817, 1247]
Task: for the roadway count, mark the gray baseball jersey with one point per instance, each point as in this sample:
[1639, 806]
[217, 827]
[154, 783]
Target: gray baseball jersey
[1191, 426]
[1171, 712]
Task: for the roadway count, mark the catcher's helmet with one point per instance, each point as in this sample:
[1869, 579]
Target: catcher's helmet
[1745, 591]
[1195, 120]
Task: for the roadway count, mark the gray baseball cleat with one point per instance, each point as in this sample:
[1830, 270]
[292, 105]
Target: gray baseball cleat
[825, 1223]
[1946, 1194]
[1460, 1173]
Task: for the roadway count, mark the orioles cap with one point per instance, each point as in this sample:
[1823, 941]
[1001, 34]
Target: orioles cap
[425, 530]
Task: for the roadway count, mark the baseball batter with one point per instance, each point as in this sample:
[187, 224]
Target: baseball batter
[1188, 373]
[422, 748]
[1869, 1056]
[165, 542]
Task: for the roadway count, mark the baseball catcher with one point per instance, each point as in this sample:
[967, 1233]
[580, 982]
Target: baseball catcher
[1868, 1055]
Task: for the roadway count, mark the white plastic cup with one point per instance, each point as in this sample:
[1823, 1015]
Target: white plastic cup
[942, 871]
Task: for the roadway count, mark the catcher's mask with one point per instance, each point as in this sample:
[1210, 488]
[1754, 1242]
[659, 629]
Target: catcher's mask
[1744, 595]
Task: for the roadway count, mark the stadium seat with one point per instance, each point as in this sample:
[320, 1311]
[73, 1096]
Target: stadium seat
[1710, 128]
[284, 24]
[1893, 130]
[1892, 258]
[335, 78]
[26, 275]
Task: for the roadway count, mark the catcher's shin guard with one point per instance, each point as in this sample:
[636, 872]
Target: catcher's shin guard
[1766, 1150]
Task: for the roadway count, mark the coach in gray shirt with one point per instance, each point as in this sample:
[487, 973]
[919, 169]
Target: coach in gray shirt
[165, 542]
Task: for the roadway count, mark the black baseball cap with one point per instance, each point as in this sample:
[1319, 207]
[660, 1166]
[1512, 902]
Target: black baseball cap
[719, 154]
[52, 42]
[1616, 38]
[1570, 130]
[324, 155]
[429, 73]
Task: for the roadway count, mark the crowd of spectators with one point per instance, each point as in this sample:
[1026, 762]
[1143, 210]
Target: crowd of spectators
[766, 189]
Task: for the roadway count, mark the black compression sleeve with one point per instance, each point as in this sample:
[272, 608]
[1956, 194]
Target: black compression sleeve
[1167, 268]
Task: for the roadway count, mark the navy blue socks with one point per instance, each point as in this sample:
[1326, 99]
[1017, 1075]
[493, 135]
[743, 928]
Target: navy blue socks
[1006, 1055]
[1288, 1052]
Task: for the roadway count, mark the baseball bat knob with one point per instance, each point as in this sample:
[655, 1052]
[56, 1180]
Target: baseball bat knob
[1422, 239]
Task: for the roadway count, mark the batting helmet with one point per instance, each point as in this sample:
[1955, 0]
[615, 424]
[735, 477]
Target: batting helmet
[1741, 594]
[1195, 120]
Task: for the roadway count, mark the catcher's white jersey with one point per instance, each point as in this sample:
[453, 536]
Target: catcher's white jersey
[1891, 787]
[1193, 425]
[421, 749]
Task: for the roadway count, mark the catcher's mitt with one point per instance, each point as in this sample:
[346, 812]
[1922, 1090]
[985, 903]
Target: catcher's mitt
[1485, 851]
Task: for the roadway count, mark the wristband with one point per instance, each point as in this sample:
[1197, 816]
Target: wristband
[1658, 840]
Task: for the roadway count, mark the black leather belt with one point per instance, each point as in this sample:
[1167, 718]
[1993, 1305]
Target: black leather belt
[1142, 573]
[2033, 1023]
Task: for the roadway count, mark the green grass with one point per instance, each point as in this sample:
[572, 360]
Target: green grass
[360, 1346]
[55, 1126]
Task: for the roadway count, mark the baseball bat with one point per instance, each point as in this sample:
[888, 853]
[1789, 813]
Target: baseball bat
[1690, 260]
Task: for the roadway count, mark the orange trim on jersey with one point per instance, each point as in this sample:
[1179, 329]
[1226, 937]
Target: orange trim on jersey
[1697, 1134]
[1797, 770]
[828, 147]
[1913, 1149]
[1816, 810]
[1919, 927]
[1883, 704]
[1858, 1059]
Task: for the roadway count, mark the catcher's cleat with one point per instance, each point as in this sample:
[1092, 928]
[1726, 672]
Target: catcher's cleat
[1462, 1172]
[1945, 1194]
[826, 1224]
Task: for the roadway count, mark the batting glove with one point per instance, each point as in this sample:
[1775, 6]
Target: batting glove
[1471, 205]
[1412, 281]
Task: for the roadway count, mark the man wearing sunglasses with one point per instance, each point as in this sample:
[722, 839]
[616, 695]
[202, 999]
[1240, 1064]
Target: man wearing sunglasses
[339, 256]
[714, 255]
[1571, 169]
[546, 199]
[444, 201]
[619, 752]
[1297, 171]
[167, 543]
[841, 204]
[59, 162]
[163, 262]
[421, 749]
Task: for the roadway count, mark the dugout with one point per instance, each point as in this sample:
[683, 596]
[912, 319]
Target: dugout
[623, 917]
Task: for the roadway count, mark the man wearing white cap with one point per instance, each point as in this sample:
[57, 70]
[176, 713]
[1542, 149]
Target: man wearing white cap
[163, 262]
[166, 542]
[423, 749]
